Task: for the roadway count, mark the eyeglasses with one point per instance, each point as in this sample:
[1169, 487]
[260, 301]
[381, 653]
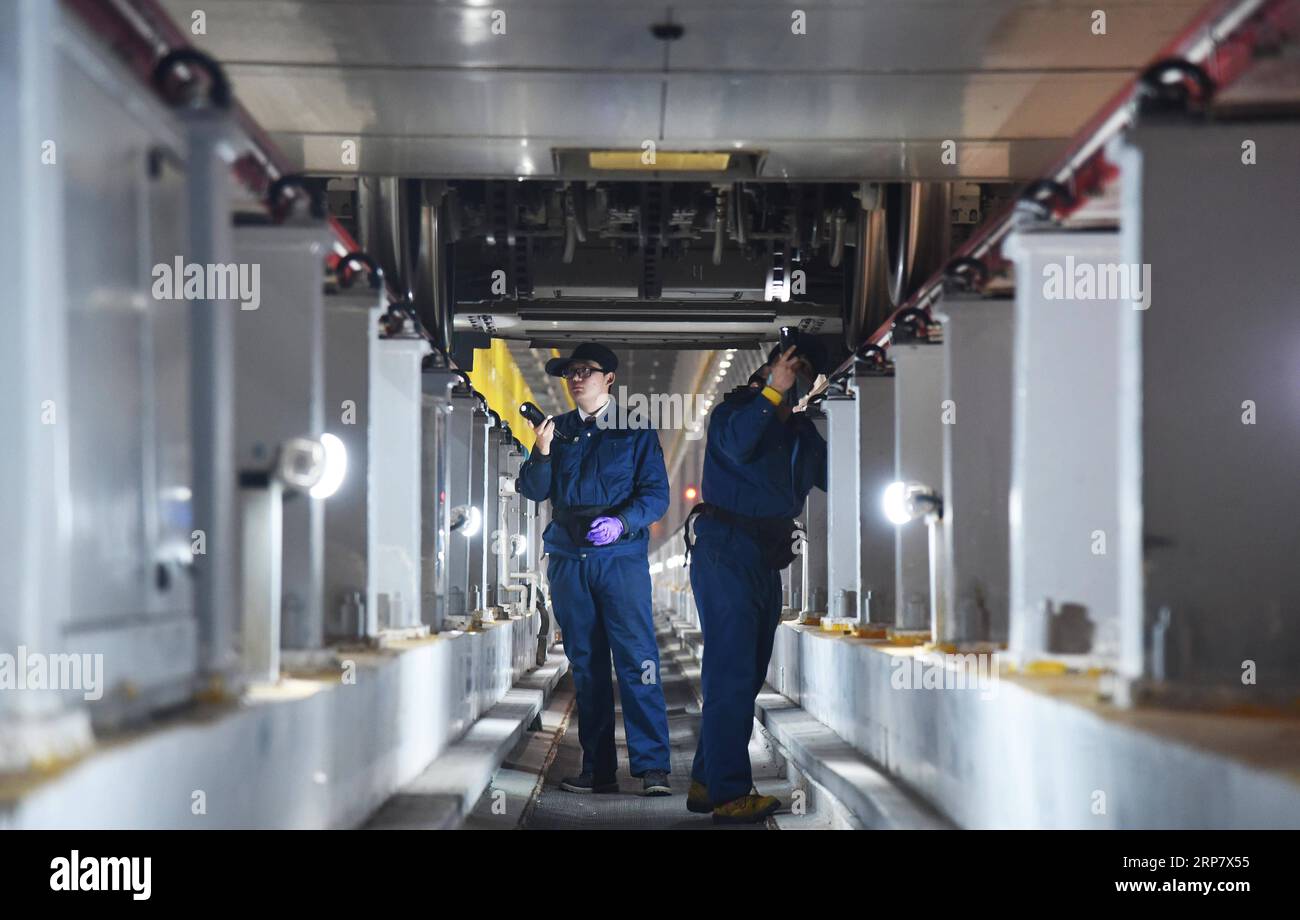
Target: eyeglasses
[580, 372]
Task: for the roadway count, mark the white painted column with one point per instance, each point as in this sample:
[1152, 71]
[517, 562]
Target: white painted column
[976, 427]
[1072, 421]
[918, 457]
[843, 530]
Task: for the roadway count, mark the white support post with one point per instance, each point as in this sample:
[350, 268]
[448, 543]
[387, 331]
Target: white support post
[351, 331]
[813, 558]
[877, 539]
[975, 416]
[280, 393]
[262, 531]
[395, 482]
[1073, 419]
[843, 529]
[35, 725]
[1209, 240]
[918, 457]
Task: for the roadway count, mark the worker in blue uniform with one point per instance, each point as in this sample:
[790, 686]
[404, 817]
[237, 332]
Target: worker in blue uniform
[607, 485]
[762, 458]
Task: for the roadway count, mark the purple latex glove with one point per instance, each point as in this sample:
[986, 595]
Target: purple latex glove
[605, 530]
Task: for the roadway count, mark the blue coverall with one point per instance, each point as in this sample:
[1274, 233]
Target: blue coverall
[759, 466]
[601, 594]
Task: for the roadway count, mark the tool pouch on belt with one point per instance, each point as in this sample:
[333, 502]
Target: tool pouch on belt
[775, 536]
[576, 521]
[776, 541]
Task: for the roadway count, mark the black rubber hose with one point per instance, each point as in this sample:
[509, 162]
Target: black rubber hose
[219, 96]
[1155, 92]
[345, 276]
[392, 321]
[719, 225]
[573, 211]
[311, 187]
[873, 353]
[741, 209]
[906, 323]
[570, 239]
[966, 273]
[837, 241]
[1045, 195]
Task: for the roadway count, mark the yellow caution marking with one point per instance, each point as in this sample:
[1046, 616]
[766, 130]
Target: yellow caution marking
[1045, 668]
[214, 691]
[907, 639]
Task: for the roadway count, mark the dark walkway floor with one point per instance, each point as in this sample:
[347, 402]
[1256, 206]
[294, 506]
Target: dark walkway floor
[517, 798]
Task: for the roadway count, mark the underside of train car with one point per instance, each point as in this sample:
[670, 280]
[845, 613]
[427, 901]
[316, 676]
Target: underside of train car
[283, 275]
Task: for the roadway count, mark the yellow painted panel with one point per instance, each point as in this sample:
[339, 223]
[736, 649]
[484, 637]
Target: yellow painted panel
[680, 160]
[498, 378]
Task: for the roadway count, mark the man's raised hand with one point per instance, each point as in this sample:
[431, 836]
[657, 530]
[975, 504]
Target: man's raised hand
[783, 370]
[544, 431]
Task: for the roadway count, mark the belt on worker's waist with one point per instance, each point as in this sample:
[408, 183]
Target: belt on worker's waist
[777, 537]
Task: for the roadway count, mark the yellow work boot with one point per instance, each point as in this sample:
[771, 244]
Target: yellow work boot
[697, 800]
[748, 809]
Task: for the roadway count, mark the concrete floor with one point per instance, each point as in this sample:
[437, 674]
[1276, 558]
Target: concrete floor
[525, 792]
